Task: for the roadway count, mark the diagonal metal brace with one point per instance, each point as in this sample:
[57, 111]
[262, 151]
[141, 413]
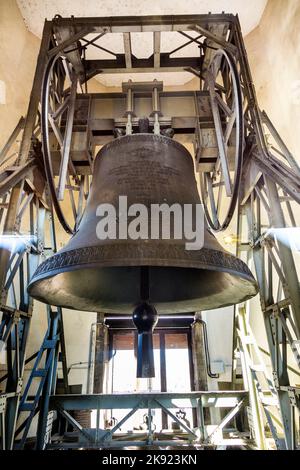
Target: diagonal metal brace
[184, 426]
[74, 423]
[118, 425]
[226, 420]
[221, 42]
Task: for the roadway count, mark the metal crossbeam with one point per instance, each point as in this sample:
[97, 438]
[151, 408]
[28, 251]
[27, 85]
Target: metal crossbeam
[11, 140]
[119, 65]
[222, 399]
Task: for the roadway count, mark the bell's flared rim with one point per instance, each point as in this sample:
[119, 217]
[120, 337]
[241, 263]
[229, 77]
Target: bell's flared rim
[135, 255]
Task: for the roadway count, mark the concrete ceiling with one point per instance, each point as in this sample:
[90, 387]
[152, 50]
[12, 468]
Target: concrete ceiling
[34, 13]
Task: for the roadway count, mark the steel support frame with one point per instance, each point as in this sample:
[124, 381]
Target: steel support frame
[264, 176]
[58, 37]
[271, 266]
[165, 401]
[279, 293]
[15, 323]
[14, 333]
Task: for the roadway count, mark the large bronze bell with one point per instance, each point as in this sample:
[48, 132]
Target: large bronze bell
[105, 275]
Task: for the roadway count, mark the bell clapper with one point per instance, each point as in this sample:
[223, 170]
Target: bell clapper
[145, 318]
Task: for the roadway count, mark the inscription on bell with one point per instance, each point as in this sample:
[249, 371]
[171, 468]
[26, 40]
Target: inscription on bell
[144, 178]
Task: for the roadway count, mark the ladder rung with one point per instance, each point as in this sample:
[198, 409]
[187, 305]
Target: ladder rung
[39, 373]
[49, 343]
[248, 339]
[257, 367]
[270, 401]
[27, 407]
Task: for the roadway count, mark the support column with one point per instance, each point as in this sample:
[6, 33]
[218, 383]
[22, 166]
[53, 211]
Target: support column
[42, 434]
[291, 289]
[250, 383]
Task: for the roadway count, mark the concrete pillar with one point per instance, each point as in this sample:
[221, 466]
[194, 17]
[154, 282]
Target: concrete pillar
[101, 345]
[199, 360]
[201, 379]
